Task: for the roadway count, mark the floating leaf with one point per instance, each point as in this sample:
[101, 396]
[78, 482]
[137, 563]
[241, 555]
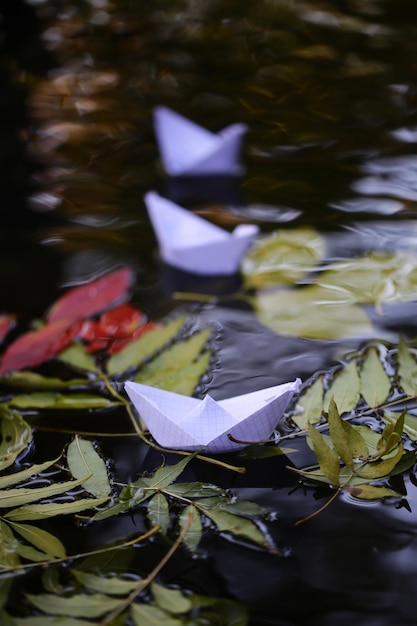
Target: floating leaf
[310, 404]
[78, 605]
[370, 492]
[51, 400]
[264, 451]
[158, 511]
[24, 495]
[129, 498]
[339, 436]
[146, 346]
[391, 436]
[194, 490]
[190, 519]
[77, 357]
[32, 381]
[311, 312]
[93, 297]
[37, 346]
[8, 546]
[23, 475]
[380, 469]
[326, 456]
[171, 600]
[83, 460]
[108, 585]
[410, 423]
[165, 475]
[149, 615]
[407, 369]
[41, 539]
[48, 620]
[15, 436]
[375, 384]
[282, 257]
[345, 389]
[235, 525]
[32, 512]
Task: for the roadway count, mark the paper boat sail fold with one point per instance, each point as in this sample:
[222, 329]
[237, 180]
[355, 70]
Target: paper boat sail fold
[182, 423]
[191, 243]
[188, 149]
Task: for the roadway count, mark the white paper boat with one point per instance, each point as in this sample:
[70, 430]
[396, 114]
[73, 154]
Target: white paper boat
[188, 149]
[191, 243]
[183, 423]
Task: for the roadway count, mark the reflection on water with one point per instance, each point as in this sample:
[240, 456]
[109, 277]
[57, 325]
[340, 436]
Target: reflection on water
[328, 91]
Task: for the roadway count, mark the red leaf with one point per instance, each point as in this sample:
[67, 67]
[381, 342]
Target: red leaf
[6, 323]
[92, 298]
[121, 321]
[118, 344]
[37, 346]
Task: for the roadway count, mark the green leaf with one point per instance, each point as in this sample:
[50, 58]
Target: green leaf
[33, 512]
[282, 257]
[191, 519]
[339, 435]
[310, 404]
[380, 469]
[149, 615]
[410, 423]
[32, 554]
[158, 512]
[50, 400]
[345, 389]
[327, 458]
[83, 460]
[194, 490]
[263, 451]
[165, 475]
[370, 492]
[146, 346]
[235, 506]
[23, 475]
[79, 605]
[235, 525]
[41, 539]
[182, 380]
[8, 545]
[15, 436]
[31, 381]
[77, 357]
[170, 600]
[129, 498]
[407, 369]
[48, 620]
[311, 312]
[108, 585]
[375, 384]
[22, 495]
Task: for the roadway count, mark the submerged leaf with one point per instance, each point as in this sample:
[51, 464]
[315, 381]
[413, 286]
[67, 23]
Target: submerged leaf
[15, 436]
[93, 297]
[158, 512]
[375, 384]
[83, 460]
[190, 519]
[141, 349]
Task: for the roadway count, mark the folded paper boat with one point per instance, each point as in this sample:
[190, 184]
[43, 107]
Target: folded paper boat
[188, 149]
[191, 243]
[183, 423]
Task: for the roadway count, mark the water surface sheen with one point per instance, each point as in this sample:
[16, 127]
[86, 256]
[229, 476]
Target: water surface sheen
[329, 93]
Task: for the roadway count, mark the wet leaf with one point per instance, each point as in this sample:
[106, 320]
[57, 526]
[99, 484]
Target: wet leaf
[41, 539]
[83, 460]
[51, 400]
[130, 497]
[310, 404]
[311, 312]
[410, 423]
[29, 381]
[194, 490]
[391, 436]
[264, 451]
[235, 525]
[166, 475]
[33, 512]
[190, 517]
[93, 297]
[339, 436]
[407, 369]
[15, 436]
[149, 615]
[345, 389]
[171, 600]
[121, 321]
[78, 605]
[77, 357]
[326, 456]
[375, 384]
[23, 495]
[48, 620]
[158, 512]
[37, 346]
[371, 492]
[282, 257]
[8, 546]
[380, 469]
[146, 346]
[108, 585]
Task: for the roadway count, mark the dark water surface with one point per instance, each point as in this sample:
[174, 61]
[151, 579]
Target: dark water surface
[329, 93]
